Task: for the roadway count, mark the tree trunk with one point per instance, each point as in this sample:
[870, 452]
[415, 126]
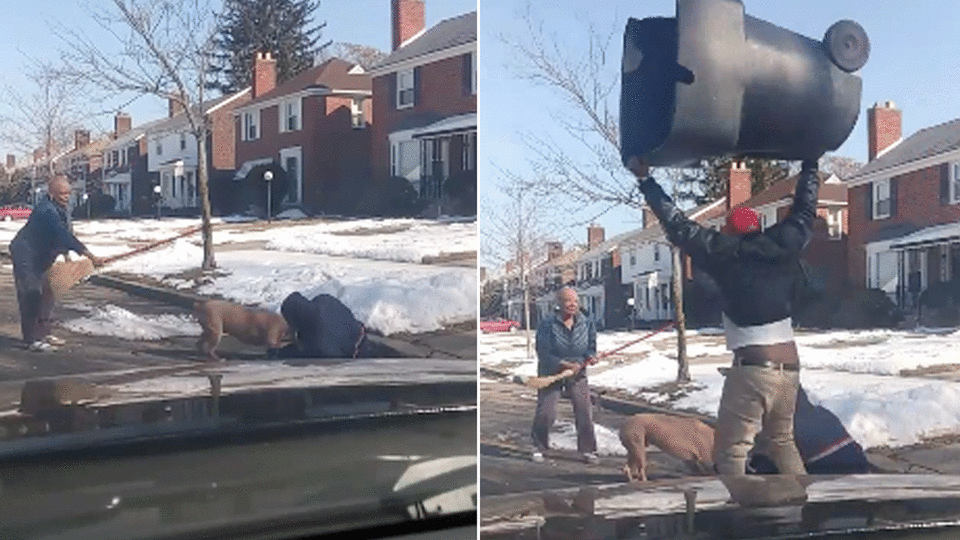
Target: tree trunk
[526, 310]
[209, 262]
[683, 368]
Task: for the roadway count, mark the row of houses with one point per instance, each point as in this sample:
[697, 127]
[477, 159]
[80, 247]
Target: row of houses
[335, 130]
[893, 225]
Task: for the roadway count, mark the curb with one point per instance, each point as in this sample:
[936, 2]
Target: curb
[611, 403]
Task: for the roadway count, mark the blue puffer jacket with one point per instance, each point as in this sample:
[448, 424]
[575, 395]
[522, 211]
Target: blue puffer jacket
[556, 342]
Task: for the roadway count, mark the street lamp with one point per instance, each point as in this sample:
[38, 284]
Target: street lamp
[156, 198]
[268, 176]
[85, 198]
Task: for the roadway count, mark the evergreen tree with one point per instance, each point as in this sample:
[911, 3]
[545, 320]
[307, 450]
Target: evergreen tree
[280, 27]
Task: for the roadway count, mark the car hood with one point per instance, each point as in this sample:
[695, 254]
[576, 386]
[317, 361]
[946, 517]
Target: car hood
[68, 413]
[868, 506]
[317, 446]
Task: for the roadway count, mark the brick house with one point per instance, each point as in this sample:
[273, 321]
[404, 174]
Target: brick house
[316, 126]
[83, 166]
[905, 208]
[425, 102]
[560, 269]
[172, 153]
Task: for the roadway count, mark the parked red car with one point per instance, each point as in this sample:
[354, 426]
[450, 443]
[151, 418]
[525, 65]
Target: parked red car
[15, 211]
[499, 325]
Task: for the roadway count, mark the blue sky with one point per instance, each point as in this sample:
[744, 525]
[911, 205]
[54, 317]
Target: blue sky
[26, 26]
[914, 61]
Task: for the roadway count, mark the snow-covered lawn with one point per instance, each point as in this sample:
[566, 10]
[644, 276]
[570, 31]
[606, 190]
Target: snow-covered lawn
[371, 265]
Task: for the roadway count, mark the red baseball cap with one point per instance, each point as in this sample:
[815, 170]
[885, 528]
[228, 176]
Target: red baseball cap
[743, 221]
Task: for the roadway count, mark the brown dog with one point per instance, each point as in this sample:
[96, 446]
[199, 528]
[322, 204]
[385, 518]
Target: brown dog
[683, 437]
[253, 326]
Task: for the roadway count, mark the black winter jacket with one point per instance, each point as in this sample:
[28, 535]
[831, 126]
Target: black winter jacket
[324, 327]
[757, 273]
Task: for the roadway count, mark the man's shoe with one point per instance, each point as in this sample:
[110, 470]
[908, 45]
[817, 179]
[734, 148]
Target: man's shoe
[41, 346]
[537, 456]
[591, 458]
[55, 341]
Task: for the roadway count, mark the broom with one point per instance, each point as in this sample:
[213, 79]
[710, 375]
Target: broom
[64, 275]
[543, 382]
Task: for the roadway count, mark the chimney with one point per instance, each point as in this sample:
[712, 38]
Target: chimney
[406, 20]
[554, 250]
[884, 127]
[81, 138]
[648, 217]
[121, 124]
[264, 74]
[174, 105]
[594, 236]
[738, 187]
[11, 161]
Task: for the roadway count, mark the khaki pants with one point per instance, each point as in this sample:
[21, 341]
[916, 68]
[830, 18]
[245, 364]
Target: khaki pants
[757, 400]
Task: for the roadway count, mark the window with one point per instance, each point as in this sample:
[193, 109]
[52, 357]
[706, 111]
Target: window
[405, 89]
[159, 147]
[251, 126]
[955, 182]
[633, 257]
[881, 199]
[183, 141]
[356, 113]
[405, 159]
[290, 115]
[115, 158]
[656, 252]
[173, 191]
[835, 223]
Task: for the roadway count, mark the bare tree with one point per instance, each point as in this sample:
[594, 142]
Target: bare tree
[364, 55]
[516, 232]
[149, 47]
[589, 83]
[41, 118]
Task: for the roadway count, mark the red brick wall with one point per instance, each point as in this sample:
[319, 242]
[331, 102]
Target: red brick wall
[441, 93]
[917, 203]
[224, 130]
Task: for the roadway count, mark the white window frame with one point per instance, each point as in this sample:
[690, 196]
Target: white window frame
[250, 121]
[955, 182]
[406, 91]
[879, 188]
[357, 119]
[288, 111]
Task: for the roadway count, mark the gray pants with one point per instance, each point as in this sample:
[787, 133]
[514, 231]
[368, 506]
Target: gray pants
[757, 401]
[34, 297]
[547, 399]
